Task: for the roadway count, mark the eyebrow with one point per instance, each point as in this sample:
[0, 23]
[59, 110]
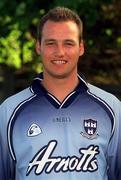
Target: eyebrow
[48, 40]
[65, 40]
[69, 40]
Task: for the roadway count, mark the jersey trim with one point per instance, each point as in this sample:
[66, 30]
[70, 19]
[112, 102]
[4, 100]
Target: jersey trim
[10, 125]
[107, 108]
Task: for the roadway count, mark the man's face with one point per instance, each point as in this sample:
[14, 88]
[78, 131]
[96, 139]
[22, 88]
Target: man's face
[60, 48]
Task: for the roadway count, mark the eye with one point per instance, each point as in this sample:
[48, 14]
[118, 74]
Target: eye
[49, 43]
[69, 43]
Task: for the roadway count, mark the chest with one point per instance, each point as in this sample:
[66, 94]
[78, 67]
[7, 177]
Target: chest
[61, 139]
[81, 124]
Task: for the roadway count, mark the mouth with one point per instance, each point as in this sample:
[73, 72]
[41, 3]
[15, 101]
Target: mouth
[59, 62]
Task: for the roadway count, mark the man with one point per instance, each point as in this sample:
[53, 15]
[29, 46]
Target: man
[60, 128]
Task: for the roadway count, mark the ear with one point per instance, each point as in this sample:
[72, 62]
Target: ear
[81, 45]
[38, 48]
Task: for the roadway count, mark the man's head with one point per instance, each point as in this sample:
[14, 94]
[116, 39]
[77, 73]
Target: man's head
[60, 43]
[60, 14]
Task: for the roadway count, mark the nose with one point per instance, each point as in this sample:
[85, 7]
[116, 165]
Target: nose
[59, 52]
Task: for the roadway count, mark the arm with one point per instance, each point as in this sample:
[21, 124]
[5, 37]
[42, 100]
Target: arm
[5, 159]
[114, 150]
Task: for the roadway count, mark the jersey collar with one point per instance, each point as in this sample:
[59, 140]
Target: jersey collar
[38, 89]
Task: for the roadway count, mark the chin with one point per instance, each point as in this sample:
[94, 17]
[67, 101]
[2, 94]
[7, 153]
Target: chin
[59, 76]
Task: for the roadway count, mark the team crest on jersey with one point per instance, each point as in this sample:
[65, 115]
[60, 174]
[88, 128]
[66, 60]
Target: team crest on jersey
[34, 130]
[90, 127]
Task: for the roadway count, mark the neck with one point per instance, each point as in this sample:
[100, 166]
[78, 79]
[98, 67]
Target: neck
[60, 88]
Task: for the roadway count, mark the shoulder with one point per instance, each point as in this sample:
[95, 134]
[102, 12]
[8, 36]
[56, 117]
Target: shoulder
[105, 96]
[8, 106]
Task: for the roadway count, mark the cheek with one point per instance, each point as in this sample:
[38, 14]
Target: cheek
[74, 54]
[48, 52]
[45, 54]
[46, 58]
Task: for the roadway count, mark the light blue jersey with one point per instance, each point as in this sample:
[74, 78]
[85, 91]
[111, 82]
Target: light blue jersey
[44, 139]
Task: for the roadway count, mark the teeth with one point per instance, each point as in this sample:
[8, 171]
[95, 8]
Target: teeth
[59, 62]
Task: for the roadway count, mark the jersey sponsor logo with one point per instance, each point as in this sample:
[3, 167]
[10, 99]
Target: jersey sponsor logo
[45, 161]
[34, 130]
[62, 119]
[90, 127]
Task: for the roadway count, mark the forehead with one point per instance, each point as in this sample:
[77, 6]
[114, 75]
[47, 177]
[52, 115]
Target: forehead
[60, 29]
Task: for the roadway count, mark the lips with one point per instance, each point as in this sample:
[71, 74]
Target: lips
[59, 62]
